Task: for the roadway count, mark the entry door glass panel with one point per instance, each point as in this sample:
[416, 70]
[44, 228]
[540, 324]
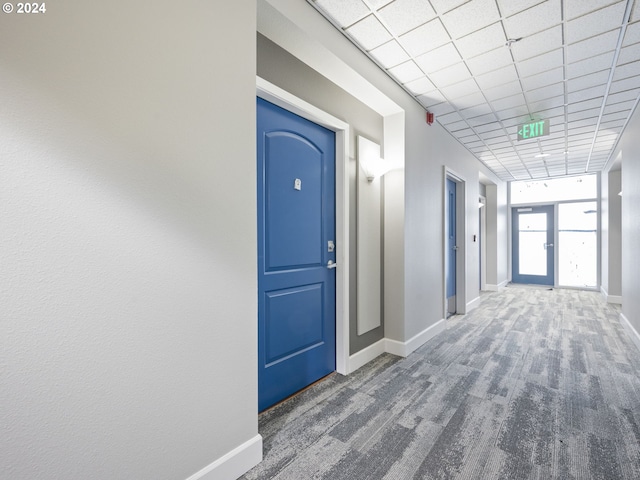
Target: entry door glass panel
[577, 244]
[533, 248]
[532, 236]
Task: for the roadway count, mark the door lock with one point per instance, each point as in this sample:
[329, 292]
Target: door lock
[331, 246]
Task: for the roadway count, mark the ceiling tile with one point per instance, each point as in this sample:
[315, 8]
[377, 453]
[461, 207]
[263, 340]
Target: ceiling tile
[615, 116]
[450, 75]
[511, 7]
[590, 65]
[450, 118]
[344, 12]
[623, 96]
[404, 15]
[432, 99]
[475, 111]
[547, 103]
[438, 109]
[424, 38]
[543, 93]
[489, 61]
[591, 47]
[512, 103]
[624, 85]
[470, 17]
[586, 105]
[438, 58]
[542, 79]
[590, 113]
[406, 72]
[587, 94]
[379, 3]
[498, 77]
[619, 107]
[537, 44]
[595, 23]
[582, 7]
[629, 54]
[586, 81]
[390, 54]
[541, 63]
[472, 100]
[420, 85]
[628, 70]
[482, 41]
[502, 91]
[534, 20]
[369, 33]
[482, 119]
[444, 6]
[632, 34]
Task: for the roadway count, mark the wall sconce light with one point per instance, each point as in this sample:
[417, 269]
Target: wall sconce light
[620, 193]
[369, 159]
[374, 167]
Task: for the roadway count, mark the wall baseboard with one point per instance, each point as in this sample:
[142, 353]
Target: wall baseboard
[365, 355]
[496, 288]
[234, 464]
[403, 349]
[473, 304]
[617, 299]
[632, 332]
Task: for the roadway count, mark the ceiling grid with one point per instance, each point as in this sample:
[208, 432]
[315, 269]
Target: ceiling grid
[486, 67]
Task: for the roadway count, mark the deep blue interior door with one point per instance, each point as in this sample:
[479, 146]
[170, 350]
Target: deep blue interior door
[532, 245]
[296, 228]
[451, 246]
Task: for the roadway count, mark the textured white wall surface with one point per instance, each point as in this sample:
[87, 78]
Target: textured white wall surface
[127, 238]
[630, 146]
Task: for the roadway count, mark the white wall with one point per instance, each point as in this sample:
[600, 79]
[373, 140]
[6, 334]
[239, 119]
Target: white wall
[127, 202]
[610, 231]
[630, 147]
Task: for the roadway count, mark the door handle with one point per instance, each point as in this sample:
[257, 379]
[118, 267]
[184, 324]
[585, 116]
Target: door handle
[331, 264]
[547, 245]
[455, 247]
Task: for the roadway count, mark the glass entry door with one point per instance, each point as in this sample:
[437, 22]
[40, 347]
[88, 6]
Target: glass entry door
[533, 252]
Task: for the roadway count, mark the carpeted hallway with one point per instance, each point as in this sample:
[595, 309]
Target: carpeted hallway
[532, 384]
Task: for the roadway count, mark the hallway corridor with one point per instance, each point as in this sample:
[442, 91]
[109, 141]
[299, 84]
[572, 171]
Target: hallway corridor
[532, 384]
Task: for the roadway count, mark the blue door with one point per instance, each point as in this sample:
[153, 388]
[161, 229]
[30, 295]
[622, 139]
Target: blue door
[296, 253]
[452, 247]
[532, 245]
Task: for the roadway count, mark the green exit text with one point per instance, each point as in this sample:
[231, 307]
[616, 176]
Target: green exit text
[536, 129]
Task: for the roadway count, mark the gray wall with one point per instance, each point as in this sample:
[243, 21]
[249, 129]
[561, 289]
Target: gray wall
[284, 70]
[630, 147]
[127, 186]
[611, 229]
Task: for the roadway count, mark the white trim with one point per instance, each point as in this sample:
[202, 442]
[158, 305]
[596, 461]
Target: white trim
[284, 99]
[632, 332]
[365, 355]
[473, 303]
[403, 349]
[497, 288]
[234, 464]
[617, 299]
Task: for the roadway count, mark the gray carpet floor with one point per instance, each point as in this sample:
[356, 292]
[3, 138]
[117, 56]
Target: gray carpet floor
[532, 384]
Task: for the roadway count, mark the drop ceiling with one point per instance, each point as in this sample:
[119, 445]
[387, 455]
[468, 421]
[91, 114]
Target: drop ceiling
[485, 67]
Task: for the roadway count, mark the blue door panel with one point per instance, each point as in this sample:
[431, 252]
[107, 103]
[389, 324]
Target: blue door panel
[451, 238]
[296, 220]
[297, 311]
[293, 217]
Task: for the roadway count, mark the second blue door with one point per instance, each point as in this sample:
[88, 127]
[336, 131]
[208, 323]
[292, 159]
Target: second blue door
[296, 253]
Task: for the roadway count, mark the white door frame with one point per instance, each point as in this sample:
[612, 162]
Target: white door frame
[483, 242]
[284, 99]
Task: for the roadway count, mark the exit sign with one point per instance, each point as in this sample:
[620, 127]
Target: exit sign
[539, 128]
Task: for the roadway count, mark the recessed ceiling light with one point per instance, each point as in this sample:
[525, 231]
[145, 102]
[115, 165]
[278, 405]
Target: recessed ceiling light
[542, 155]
